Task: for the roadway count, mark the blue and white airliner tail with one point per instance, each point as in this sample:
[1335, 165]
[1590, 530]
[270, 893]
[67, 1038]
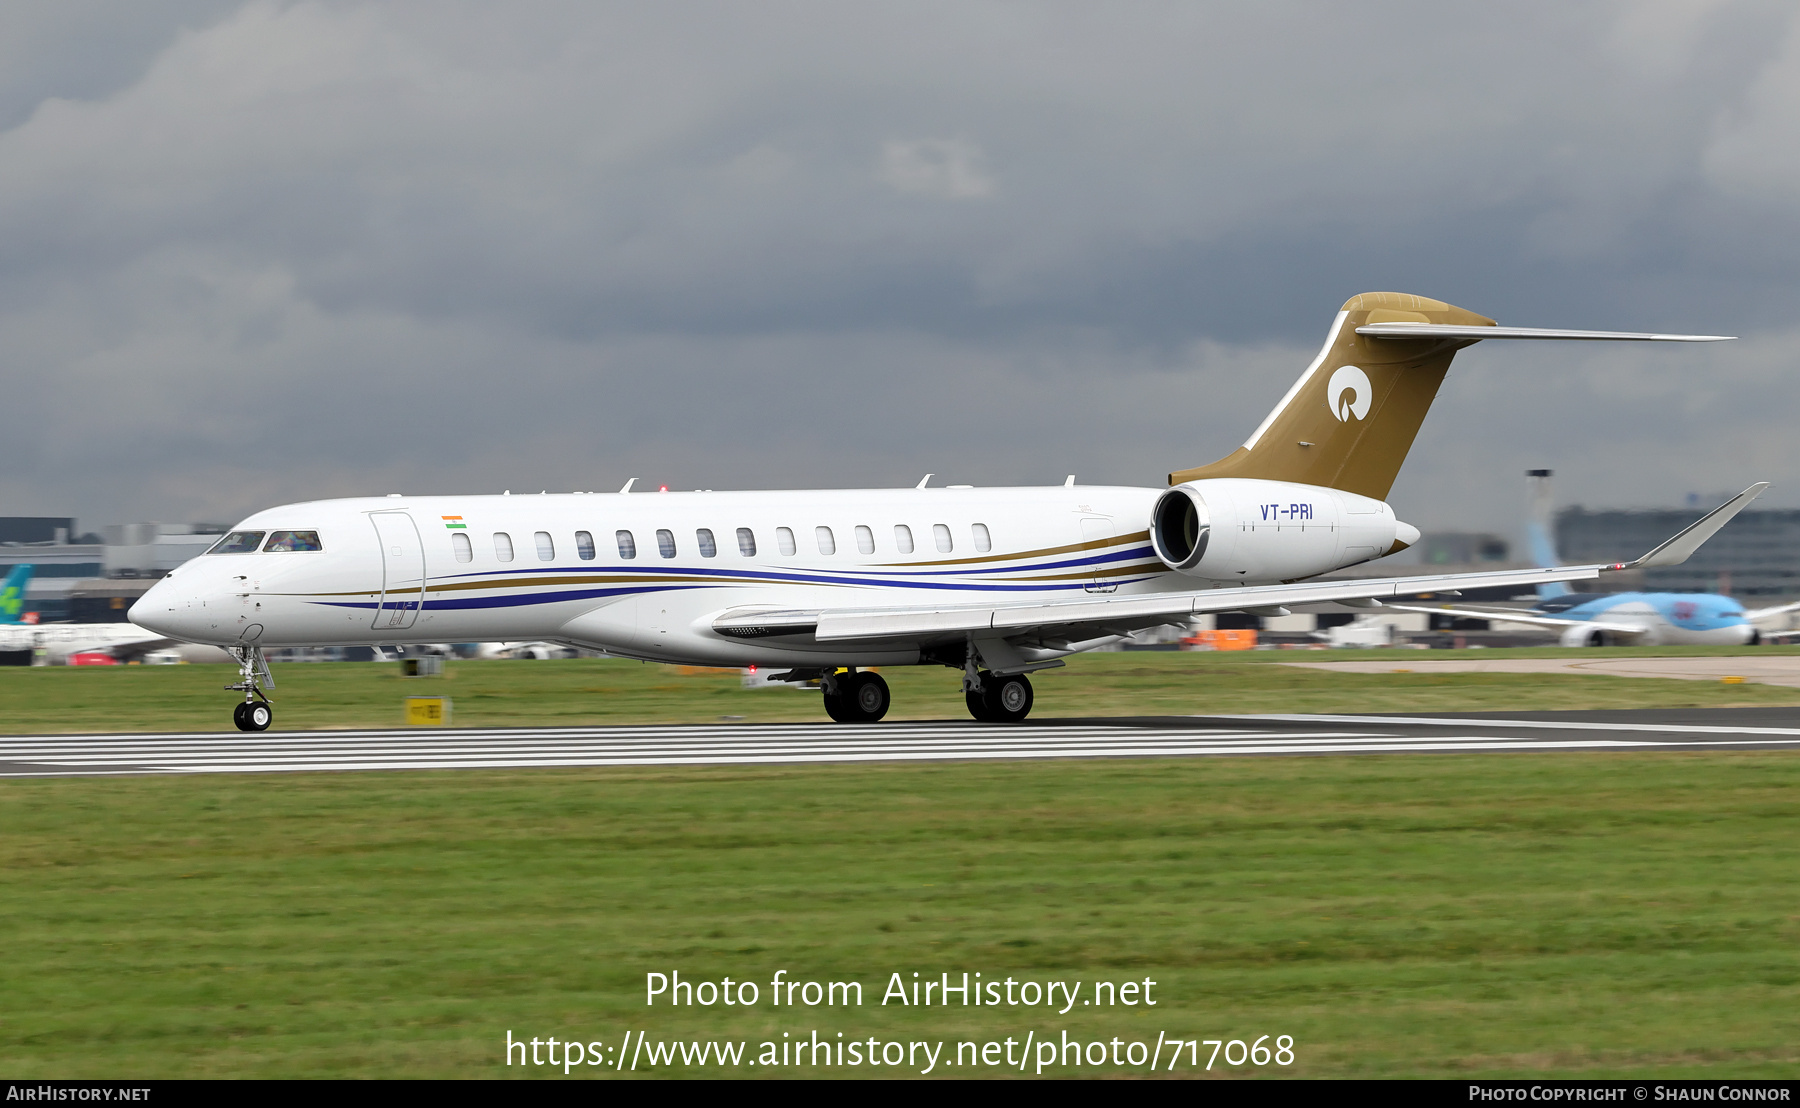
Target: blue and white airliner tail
[1538, 534]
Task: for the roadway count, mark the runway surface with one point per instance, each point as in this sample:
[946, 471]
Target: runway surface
[772, 744]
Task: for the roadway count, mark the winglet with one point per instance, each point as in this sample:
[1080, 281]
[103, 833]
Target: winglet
[1676, 550]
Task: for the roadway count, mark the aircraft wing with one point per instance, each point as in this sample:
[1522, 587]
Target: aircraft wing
[1076, 623]
[1764, 613]
[1513, 616]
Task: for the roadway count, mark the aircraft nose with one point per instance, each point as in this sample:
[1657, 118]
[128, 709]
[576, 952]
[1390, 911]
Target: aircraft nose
[152, 611]
[165, 608]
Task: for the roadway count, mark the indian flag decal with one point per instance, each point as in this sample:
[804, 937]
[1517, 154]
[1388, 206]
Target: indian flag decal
[455, 523]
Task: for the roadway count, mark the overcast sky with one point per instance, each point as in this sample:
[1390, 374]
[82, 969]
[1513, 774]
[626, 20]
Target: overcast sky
[254, 253]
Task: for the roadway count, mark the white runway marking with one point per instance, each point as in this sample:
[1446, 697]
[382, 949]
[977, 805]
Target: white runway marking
[742, 744]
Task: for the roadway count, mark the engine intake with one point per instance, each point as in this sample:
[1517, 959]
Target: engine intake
[1180, 527]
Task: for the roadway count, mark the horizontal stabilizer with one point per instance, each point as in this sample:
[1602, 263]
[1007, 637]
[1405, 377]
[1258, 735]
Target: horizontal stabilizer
[1458, 331]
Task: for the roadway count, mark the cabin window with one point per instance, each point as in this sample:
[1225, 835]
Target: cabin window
[903, 538]
[546, 546]
[665, 543]
[503, 546]
[983, 541]
[784, 538]
[627, 545]
[827, 542]
[865, 540]
[238, 542]
[941, 533]
[746, 542]
[289, 542]
[584, 546]
[462, 547]
[708, 548]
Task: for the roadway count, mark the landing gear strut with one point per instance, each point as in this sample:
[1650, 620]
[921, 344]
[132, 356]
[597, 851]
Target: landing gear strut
[1000, 699]
[255, 713]
[855, 697]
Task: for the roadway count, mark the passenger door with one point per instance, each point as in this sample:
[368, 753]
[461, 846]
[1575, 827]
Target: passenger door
[402, 571]
[1096, 529]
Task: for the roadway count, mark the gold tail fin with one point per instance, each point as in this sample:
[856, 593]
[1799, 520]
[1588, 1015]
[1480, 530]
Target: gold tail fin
[1350, 419]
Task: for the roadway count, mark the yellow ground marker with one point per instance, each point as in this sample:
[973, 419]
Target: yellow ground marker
[427, 711]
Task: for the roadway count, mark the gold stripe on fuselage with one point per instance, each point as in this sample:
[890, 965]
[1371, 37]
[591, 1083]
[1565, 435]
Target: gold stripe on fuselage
[1091, 544]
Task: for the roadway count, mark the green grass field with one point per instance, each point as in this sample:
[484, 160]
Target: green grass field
[1576, 914]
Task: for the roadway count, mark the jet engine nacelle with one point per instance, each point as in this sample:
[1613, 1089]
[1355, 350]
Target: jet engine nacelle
[1583, 634]
[1234, 529]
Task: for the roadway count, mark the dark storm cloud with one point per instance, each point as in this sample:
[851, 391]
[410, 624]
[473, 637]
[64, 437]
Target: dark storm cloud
[278, 251]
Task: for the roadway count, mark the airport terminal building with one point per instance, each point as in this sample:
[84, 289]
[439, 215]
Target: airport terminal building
[1756, 558]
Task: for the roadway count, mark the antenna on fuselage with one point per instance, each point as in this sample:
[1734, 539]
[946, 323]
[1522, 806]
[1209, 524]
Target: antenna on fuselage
[628, 485]
[924, 479]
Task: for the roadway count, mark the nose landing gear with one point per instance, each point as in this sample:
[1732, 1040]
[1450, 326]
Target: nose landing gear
[255, 713]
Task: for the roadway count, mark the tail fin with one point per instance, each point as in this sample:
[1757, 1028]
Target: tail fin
[1537, 531]
[1350, 419]
[12, 594]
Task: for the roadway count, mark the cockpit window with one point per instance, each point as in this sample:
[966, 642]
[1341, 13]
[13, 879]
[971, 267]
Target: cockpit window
[288, 542]
[239, 542]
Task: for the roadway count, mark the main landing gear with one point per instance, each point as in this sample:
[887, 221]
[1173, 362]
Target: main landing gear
[255, 713]
[1000, 699]
[855, 697]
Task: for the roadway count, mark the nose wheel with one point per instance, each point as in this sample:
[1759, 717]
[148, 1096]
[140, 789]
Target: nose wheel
[255, 713]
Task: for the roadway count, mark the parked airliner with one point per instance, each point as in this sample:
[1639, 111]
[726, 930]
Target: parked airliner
[997, 583]
[1621, 618]
[59, 640]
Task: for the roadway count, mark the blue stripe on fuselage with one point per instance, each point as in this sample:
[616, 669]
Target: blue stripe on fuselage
[521, 599]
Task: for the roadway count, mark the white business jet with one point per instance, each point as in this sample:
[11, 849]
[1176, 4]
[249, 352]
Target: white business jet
[997, 583]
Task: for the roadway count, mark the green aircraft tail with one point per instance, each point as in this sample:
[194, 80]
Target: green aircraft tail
[12, 594]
